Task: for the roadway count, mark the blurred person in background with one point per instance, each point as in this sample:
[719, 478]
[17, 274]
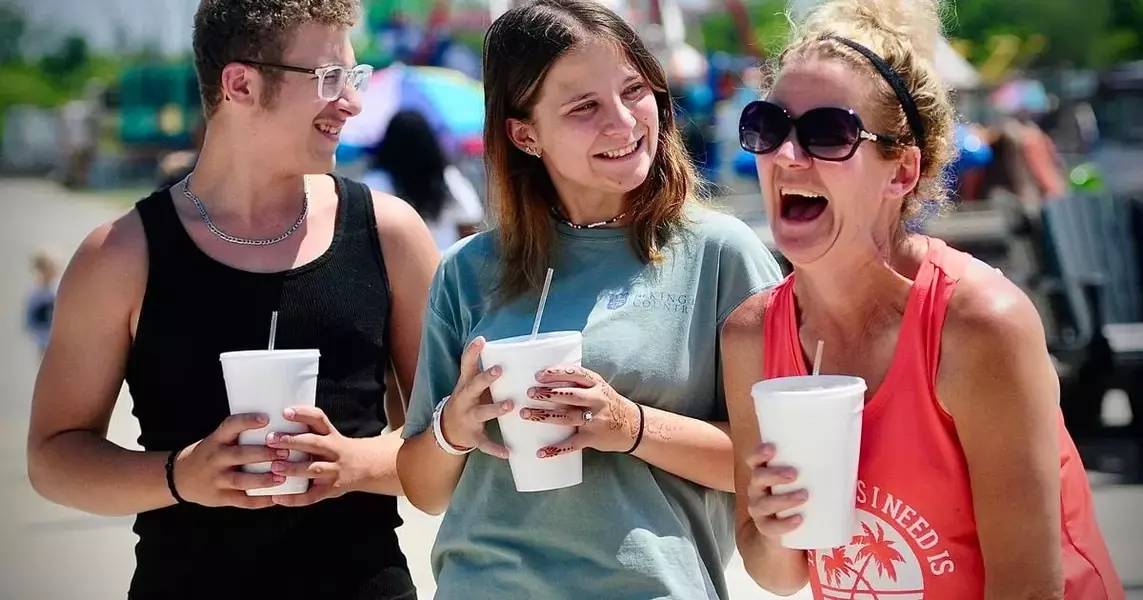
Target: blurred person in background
[154, 297]
[1026, 162]
[410, 163]
[41, 301]
[1045, 163]
[965, 175]
[687, 76]
[79, 135]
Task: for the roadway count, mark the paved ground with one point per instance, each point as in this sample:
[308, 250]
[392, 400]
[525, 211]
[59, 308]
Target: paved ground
[56, 553]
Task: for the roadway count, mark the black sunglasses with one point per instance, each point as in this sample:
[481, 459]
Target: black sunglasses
[826, 133]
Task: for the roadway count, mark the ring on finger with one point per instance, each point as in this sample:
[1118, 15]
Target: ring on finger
[588, 416]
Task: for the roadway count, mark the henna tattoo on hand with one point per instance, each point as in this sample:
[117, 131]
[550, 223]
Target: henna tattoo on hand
[540, 393]
[660, 429]
[539, 415]
[616, 407]
[551, 451]
[553, 372]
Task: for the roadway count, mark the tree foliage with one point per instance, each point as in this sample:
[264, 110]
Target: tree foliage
[1038, 33]
[50, 79]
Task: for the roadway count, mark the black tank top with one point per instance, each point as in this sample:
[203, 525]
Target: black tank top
[196, 308]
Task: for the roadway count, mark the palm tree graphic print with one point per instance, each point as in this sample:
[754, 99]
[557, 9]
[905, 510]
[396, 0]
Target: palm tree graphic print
[878, 564]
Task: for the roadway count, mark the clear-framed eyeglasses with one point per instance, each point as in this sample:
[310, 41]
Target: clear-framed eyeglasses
[331, 80]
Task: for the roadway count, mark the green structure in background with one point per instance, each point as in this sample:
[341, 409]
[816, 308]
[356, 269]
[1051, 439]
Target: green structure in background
[158, 105]
[379, 12]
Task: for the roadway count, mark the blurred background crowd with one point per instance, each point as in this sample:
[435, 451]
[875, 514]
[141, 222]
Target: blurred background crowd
[105, 96]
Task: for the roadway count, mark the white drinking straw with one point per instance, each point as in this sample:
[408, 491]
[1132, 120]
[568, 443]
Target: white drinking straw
[273, 328]
[543, 301]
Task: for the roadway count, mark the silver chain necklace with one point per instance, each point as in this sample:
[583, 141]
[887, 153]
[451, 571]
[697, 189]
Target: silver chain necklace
[233, 239]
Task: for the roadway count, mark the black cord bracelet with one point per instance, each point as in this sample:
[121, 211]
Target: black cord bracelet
[171, 476]
[639, 436]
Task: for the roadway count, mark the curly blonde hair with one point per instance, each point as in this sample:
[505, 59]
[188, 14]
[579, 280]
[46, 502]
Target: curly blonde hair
[905, 34]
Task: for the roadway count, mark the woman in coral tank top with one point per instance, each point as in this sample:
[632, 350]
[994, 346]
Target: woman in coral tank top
[969, 485]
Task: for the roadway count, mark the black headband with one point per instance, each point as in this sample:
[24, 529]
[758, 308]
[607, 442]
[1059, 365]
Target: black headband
[897, 83]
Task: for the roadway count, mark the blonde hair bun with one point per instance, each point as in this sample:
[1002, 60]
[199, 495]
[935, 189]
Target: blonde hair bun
[915, 24]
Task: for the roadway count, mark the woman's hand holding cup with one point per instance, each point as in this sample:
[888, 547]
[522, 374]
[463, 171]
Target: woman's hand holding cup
[470, 406]
[764, 505]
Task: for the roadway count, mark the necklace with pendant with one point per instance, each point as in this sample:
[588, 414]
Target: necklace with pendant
[613, 220]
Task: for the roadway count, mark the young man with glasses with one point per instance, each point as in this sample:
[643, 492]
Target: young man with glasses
[196, 270]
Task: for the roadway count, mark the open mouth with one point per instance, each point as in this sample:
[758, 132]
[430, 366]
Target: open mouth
[802, 205]
[330, 131]
[621, 153]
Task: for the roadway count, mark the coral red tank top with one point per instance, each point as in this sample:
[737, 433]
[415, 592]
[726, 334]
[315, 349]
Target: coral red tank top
[917, 535]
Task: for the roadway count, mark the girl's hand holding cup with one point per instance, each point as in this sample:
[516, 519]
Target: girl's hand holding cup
[470, 406]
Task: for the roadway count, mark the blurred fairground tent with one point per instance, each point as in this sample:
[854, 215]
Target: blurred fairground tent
[955, 71]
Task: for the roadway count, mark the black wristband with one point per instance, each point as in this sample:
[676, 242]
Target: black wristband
[171, 476]
[639, 436]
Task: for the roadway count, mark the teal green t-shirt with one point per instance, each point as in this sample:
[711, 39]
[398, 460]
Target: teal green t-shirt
[630, 530]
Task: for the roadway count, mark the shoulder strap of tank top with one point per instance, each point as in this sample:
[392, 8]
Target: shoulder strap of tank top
[779, 330]
[351, 208]
[945, 268]
[162, 228]
[364, 215]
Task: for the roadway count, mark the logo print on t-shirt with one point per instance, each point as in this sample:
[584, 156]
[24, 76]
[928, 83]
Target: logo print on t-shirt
[877, 563]
[617, 298]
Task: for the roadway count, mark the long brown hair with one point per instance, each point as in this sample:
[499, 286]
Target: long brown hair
[519, 49]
